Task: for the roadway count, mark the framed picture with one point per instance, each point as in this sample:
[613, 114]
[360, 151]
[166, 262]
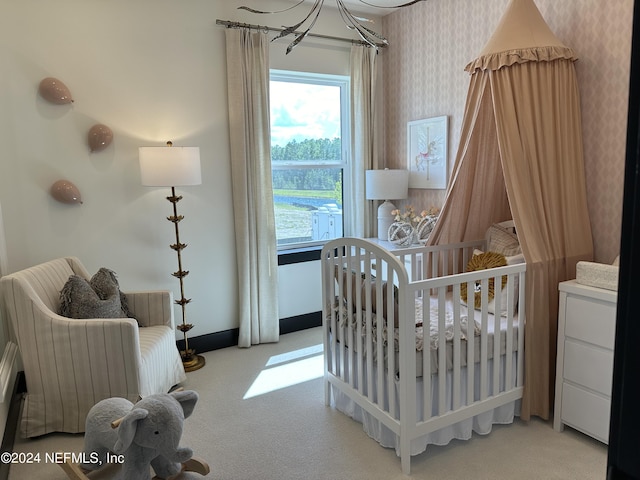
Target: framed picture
[427, 153]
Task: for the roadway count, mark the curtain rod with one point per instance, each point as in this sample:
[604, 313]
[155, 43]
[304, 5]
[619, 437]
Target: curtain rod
[230, 24]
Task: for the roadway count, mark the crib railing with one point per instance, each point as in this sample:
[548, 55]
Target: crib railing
[361, 307]
[425, 262]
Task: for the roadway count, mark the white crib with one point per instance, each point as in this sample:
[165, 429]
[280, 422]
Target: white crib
[375, 298]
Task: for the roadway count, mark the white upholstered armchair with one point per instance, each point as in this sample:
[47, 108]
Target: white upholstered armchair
[71, 364]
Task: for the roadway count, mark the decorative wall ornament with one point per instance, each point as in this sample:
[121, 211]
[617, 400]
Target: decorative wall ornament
[66, 192]
[401, 234]
[352, 22]
[425, 227]
[100, 137]
[54, 91]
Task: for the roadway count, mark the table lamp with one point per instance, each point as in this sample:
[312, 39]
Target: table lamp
[386, 185]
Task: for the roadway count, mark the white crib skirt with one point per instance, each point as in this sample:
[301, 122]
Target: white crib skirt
[462, 430]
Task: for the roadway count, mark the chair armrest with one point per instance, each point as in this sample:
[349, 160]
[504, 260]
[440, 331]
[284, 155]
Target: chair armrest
[153, 307]
[100, 355]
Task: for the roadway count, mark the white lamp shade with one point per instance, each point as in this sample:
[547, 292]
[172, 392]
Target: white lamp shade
[169, 166]
[386, 184]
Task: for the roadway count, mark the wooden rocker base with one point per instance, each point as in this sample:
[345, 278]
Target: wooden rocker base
[194, 464]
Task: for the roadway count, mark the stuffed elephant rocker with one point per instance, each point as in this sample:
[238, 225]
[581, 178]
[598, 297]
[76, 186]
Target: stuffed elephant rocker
[146, 434]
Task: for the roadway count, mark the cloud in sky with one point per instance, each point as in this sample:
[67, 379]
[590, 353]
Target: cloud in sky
[300, 111]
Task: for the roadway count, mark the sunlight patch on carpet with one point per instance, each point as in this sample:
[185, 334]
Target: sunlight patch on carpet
[288, 369]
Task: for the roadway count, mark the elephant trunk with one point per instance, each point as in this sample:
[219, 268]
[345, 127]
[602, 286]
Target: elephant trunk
[181, 455]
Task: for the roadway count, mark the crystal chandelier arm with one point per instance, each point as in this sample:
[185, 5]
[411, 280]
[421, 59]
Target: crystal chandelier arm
[277, 11]
[317, 8]
[293, 28]
[352, 23]
[391, 6]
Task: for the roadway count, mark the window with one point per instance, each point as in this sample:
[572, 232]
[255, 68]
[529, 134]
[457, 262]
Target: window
[309, 145]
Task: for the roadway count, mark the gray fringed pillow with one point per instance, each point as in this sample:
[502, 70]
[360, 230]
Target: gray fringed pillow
[105, 284]
[98, 298]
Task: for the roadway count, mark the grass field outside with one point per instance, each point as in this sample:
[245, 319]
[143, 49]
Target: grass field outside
[294, 218]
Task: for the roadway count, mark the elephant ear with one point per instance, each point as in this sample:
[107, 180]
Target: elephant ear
[127, 429]
[187, 399]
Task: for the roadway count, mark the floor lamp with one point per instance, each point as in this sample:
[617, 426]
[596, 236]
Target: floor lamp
[175, 167]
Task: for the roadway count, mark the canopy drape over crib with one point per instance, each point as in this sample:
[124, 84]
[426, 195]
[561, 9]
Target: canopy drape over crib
[521, 156]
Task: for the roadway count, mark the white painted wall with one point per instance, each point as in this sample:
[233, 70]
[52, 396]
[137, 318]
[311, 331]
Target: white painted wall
[152, 70]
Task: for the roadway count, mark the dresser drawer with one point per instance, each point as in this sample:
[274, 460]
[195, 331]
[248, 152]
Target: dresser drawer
[588, 366]
[586, 411]
[591, 320]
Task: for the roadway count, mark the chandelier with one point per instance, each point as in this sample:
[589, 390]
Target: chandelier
[352, 22]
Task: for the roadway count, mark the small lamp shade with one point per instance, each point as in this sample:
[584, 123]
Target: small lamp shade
[387, 184]
[169, 166]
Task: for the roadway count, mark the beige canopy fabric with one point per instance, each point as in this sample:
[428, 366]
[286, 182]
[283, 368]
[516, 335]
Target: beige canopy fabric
[521, 156]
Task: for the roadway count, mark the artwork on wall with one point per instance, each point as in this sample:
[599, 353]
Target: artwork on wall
[427, 153]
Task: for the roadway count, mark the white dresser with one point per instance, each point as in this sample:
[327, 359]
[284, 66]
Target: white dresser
[584, 369]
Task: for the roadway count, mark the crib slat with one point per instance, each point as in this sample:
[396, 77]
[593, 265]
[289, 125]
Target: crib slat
[336, 326]
[484, 312]
[442, 351]
[456, 348]
[367, 313]
[379, 337]
[426, 357]
[369, 342]
[470, 343]
[341, 332]
[455, 255]
[508, 369]
[391, 357]
[355, 312]
[521, 321]
[497, 282]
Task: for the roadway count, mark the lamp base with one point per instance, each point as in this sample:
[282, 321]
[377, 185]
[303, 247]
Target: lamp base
[191, 361]
[385, 219]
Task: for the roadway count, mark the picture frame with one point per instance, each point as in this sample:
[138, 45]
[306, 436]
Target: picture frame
[427, 156]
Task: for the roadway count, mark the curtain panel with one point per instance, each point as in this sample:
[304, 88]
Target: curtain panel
[540, 139]
[520, 156]
[249, 135]
[364, 154]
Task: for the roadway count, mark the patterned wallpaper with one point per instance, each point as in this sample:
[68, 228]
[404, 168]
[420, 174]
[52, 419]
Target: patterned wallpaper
[432, 42]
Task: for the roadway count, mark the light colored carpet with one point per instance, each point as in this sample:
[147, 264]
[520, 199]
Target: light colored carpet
[289, 434]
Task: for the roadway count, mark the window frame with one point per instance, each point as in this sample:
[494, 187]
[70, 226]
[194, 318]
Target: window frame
[344, 83]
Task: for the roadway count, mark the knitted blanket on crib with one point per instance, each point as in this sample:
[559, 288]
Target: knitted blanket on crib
[343, 317]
